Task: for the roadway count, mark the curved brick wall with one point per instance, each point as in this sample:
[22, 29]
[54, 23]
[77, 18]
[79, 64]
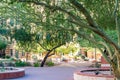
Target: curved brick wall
[80, 75]
[12, 74]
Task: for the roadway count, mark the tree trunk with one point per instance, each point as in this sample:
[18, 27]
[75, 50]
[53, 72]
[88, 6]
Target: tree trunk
[48, 54]
[117, 78]
[45, 58]
[117, 75]
[116, 71]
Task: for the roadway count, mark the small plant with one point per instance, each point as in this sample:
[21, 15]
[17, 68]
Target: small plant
[50, 63]
[20, 63]
[7, 57]
[36, 64]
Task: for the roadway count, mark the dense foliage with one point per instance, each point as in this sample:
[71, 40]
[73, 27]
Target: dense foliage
[90, 20]
[3, 43]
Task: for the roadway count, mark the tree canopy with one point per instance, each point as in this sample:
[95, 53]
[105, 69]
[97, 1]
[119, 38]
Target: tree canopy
[88, 19]
[3, 43]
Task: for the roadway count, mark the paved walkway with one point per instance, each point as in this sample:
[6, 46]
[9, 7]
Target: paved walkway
[61, 72]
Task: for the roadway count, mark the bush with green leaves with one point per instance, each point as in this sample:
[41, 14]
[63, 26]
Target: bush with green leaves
[7, 57]
[36, 64]
[50, 63]
[3, 43]
[20, 63]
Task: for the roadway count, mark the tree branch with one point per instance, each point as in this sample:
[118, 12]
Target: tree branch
[85, 12]
[54, 49]
[43, 46]
[117, 20]
[92, 25]
[99, 32]
[105, 56]
[51, 54]
[57, 46]
[82, 34]
[85, 36]
[107, 47]
[53, 8]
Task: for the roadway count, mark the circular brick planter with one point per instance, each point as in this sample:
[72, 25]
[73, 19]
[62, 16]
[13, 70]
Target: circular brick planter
[89, 74]
[14, 73]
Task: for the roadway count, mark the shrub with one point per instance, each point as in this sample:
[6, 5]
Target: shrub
[49, 63]
[7, 57]
[20, 63]
[36, 64]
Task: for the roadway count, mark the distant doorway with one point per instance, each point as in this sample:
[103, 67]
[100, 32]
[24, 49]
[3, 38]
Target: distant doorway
[11, 52]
